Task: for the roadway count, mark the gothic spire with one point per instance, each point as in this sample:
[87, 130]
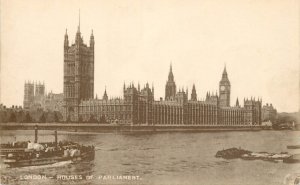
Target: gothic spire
[66, 43]
[187, 91]
[105, 97]
[237, 104]
[152, 88]
[92, 41]
[171, 76]
[224, 75]
[194, 94]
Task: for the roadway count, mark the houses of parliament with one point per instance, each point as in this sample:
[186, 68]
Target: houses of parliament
[138, 106]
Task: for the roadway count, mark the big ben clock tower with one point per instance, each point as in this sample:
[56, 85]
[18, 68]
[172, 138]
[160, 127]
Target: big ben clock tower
[224, 89]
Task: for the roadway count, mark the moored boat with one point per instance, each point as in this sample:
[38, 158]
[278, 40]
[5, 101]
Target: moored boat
[233, 153]
[292, 159]
[22, 154]
[34, 158]
[293, 147]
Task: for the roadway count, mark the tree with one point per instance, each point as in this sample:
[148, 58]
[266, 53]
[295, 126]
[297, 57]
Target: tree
[92, 119]
[80, 120]
[43, 118]
[56, 119]
[102, 119]
[4, 117]
[20, 116]
[12, 117]
[28, 118]
[68, 120]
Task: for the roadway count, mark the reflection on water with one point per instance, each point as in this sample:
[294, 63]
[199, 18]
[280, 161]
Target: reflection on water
[161, 158]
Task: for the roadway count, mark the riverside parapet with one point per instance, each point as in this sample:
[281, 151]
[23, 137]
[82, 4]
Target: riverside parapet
[94, 127]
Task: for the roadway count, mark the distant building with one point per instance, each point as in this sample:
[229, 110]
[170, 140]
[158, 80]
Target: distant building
[36, 98]
[28, 95]
[269, 113]
[53, 102]
[39, 89]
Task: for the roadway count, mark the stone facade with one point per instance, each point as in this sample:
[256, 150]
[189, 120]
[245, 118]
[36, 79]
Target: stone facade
[28, 94]
[78, 74]
[269, 113]
[138, 106]
[35, 97]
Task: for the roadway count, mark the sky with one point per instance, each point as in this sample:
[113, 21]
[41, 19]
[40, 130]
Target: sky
[136, 40]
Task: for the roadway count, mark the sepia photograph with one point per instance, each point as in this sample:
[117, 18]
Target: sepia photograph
[149, 92]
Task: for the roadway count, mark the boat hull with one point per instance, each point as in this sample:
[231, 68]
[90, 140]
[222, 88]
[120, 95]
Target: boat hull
[13, 163]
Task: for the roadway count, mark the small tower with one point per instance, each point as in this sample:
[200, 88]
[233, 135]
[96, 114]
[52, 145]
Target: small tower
[28, 95]
[194, 94]
[66, 42]
[39, 89]
[92, 41]
[187, 93]
[170, 90]
[237, 104]
[105, 97]
[153, 90]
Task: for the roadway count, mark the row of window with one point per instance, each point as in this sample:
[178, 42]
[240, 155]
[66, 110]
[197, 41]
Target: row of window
[105, 108]
[108, 116]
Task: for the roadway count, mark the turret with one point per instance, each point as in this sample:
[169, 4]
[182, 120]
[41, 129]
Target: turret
[171, 76]
[187, 93]
[170, 89]
[92, 41]
[153, 90]
[194, 94]
[66, 43]
[237, 104]
[105, 97]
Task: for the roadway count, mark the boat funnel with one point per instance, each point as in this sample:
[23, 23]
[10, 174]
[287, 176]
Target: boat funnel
[55, 135]
[35, 133]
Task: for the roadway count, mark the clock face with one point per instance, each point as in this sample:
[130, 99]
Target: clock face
[222, 88]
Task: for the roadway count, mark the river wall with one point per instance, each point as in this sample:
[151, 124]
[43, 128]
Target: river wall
[94, 127]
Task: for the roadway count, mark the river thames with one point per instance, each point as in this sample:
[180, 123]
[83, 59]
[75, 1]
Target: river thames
[160, 158]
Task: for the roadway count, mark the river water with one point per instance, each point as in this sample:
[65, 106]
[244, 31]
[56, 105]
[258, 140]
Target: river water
[161, 158]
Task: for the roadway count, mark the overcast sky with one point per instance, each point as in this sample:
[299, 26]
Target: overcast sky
[136, 40]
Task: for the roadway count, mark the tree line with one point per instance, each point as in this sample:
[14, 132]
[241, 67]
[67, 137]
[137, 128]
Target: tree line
[41, 116]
